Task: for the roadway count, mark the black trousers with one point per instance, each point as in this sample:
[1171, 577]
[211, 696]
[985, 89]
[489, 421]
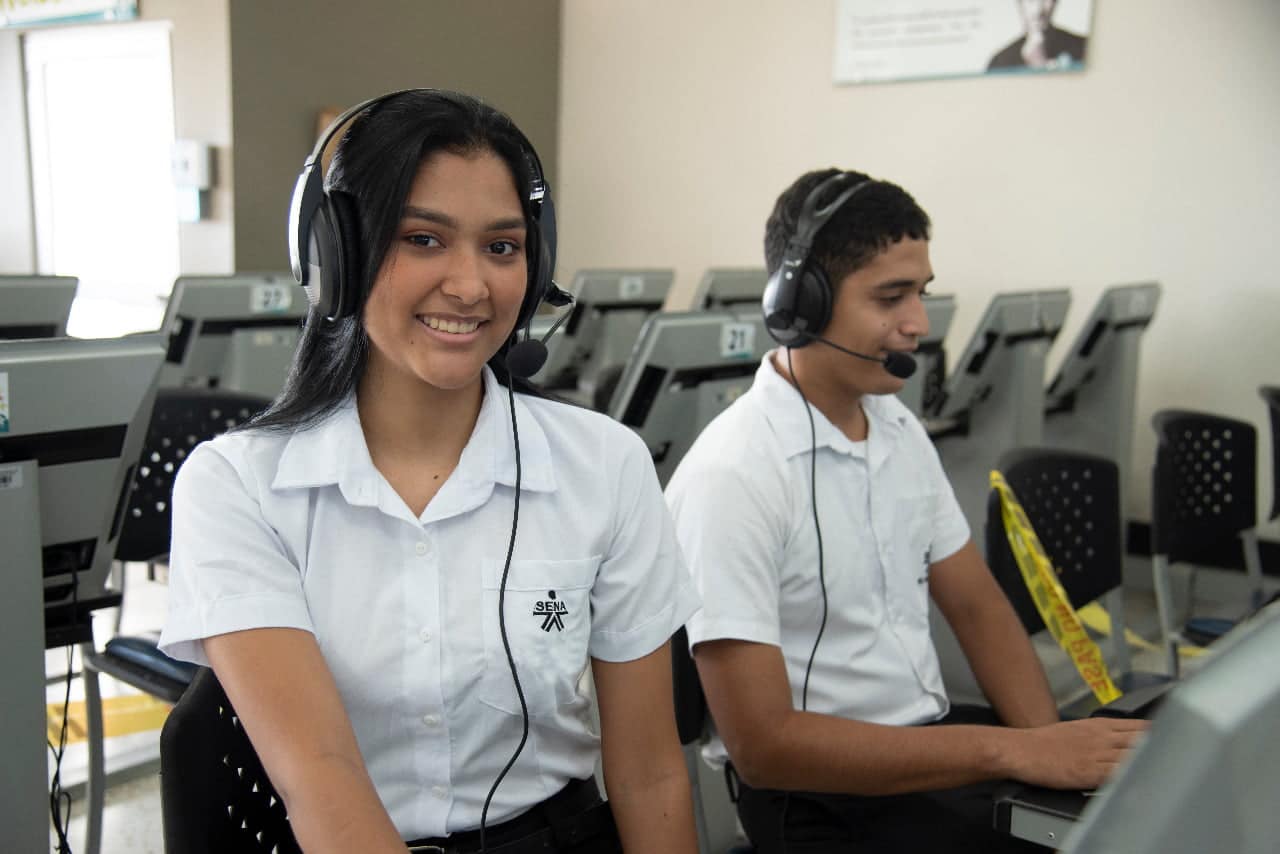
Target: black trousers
[573, 821]
[957, 820]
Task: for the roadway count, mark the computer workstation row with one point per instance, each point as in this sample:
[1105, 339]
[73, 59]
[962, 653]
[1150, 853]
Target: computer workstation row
[91, 434]
[618, 352]
[237, 331]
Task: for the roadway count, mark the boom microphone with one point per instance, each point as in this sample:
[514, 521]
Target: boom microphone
[526, 358]
[900, 365]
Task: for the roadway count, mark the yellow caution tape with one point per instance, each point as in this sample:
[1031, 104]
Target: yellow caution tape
[1096, 618]
[122, 715]
[1051, 600]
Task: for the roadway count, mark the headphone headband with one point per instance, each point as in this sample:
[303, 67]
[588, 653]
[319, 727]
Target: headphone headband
[812, 218]
[797, 301]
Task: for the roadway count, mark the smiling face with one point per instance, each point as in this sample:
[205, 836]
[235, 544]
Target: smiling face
[449, 290]
[878, 309]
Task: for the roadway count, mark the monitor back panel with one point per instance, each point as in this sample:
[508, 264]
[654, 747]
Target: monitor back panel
[609, 308]
[205, 312]
[35, 306]
[736, 289]
[80, 409]
[1009, 319]
[687, 367]
[1120, 307]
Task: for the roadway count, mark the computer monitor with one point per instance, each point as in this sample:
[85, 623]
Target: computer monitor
[79, 408]
[35, 306]
[1207, 774]
[1010, 318]
[235, 332]
[735, 289]
[609, 308]
[1091, 402]
[1120, 308]
[685, 369]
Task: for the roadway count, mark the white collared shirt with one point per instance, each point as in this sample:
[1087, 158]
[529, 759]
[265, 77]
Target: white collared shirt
[301, 531]
[743, 509]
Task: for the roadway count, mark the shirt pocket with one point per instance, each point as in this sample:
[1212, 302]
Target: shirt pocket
[547, 616]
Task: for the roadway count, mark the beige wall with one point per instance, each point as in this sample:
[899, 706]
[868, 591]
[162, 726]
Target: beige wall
[287, 65]
[17, 230]
[681, 122]
[200, 44]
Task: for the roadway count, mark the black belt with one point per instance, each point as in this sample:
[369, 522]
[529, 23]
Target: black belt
[569, 817]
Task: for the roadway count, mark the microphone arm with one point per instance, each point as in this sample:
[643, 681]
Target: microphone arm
[900, 365]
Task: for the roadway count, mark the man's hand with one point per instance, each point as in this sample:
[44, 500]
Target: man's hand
[1074, 754]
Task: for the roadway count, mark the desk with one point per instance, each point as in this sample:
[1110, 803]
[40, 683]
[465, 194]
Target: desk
[1038, 815]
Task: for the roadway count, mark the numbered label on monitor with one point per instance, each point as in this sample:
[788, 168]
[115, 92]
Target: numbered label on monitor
[631, 287]
[270, 298]
[737, 340]
[10, 477]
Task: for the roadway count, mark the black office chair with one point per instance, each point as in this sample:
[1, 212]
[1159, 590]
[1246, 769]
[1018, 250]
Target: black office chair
[181, 419]
[1271, 394]
[1072, 500]
[1203, 496]
[214, 794]
[692, 718]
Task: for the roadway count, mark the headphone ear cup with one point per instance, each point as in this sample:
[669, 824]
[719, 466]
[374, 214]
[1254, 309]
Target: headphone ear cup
[797, 307]
[813, 303]
[335, 252]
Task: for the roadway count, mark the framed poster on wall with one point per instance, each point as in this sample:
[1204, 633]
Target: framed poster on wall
[33, 13]
[884, 40]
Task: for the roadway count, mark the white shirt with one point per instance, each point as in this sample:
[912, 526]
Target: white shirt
[743, 509]
[301, 531]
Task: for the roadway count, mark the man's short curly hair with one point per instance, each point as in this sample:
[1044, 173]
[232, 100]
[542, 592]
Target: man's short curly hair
[870, 222]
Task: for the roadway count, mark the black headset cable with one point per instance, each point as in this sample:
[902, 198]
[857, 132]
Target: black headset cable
[822, 576]
[502, 625]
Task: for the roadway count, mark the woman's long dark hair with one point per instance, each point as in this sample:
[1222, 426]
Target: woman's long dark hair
[375, 164]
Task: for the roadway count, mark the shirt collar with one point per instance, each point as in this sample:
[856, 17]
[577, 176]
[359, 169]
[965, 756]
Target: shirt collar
[334, 451]
[785, 412]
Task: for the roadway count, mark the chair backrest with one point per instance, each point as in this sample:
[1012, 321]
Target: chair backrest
[181, 419]
[1072, 500]
[1271, 394]
[691, 703]
[1204, 484]
[214, 794]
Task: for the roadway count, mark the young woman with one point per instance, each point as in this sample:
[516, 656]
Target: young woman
[401, 572]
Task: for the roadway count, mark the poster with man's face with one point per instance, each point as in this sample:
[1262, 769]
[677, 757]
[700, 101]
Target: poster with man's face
[883, 40]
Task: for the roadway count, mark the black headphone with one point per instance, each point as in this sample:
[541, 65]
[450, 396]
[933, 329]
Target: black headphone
[797, 301]
[324, 231]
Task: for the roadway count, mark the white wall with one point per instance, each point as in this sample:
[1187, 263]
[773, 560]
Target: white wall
[17, 229]
[201, 45]
[681, 122]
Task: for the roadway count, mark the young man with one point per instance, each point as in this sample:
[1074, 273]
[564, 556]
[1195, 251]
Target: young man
[817, 522]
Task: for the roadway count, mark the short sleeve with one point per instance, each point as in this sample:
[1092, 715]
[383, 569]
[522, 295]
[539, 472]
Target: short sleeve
[732, 531]
[950, 529]
[228, 569]
[642, 593]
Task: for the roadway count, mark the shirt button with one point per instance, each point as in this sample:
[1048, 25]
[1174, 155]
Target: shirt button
[431, 720]
[425, 634]
[440, 792]
[420, 549]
